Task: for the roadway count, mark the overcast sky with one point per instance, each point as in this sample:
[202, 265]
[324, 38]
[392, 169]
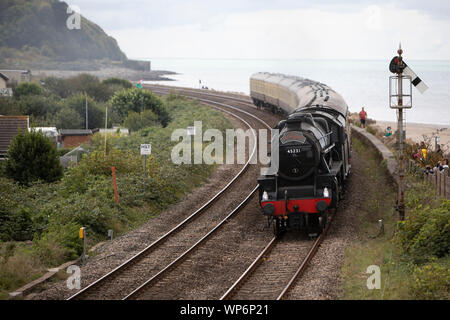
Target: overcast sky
[283, 29]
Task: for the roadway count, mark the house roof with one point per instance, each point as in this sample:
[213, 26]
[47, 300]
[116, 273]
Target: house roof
[75, 132]
[4, 76]
[9, 127]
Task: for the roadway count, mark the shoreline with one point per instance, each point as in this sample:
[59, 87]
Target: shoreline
[104, 73]
[416, 131]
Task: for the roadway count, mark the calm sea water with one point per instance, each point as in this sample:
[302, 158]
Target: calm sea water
[361, 83]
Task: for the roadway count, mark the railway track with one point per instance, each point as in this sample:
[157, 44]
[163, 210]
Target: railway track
[289, 257]
[162, 255]
[171, 266]
[276, 269]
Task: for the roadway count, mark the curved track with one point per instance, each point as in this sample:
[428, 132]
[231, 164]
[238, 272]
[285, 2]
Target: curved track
[198, 253]
[170, 249]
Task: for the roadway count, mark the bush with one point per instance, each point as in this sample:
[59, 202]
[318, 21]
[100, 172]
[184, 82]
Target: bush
[432, 281]
[138, 100]
[426, 233]
[59, 244]
[32, 156]
[27, 89]
[136, 121]
[118, 82]
[15, 225]
[97, 163]
[371, 130]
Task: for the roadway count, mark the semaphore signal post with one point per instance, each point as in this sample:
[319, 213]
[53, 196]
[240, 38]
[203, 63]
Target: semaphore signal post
[400, 97]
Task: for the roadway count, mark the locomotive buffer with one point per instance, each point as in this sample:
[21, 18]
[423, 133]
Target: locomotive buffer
[400, 97]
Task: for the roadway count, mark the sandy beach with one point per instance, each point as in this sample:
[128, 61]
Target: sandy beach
[415, 131]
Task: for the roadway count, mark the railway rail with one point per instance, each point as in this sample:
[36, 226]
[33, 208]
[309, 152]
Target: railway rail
[267, 277]
[118, 283]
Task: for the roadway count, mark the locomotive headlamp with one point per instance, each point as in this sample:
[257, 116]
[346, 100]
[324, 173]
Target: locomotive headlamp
[269, 209]
[321, 206]
[326, 193]
[265, 196]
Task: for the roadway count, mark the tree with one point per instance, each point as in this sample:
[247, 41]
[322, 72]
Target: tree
[68, 118]
[136, 121]
[57, 86]
[138, 100]
[27, 89]
[32, 156]
[96, 116]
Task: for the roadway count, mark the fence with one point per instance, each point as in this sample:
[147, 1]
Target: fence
[439, 179]
[71, 158]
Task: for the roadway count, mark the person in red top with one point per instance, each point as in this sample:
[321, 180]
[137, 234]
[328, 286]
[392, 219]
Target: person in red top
[362, 117]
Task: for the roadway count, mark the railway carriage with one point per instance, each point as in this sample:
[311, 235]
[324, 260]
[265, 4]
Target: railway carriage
[314, 151]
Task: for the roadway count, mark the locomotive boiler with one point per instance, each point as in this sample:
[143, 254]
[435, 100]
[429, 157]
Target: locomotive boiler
[313, 153]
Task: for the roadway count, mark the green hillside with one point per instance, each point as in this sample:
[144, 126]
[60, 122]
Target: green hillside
[33, 33]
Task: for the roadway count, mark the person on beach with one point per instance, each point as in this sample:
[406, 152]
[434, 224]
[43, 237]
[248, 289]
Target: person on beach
[363, 117]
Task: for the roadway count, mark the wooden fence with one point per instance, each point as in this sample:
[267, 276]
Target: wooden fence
[440, 179]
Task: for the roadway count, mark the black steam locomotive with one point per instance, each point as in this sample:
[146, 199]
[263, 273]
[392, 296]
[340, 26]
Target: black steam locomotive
[313, 153]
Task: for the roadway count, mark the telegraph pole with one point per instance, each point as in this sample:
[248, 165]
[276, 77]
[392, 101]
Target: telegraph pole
[87, 121]
[106, 127]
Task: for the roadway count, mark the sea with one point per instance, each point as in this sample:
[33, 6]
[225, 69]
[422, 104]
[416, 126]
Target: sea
[362, 83]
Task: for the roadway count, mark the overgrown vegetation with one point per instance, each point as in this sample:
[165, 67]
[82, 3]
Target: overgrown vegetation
[48, 215]
[413, 255]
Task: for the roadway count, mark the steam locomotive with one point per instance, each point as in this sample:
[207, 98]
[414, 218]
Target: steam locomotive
[313, 151]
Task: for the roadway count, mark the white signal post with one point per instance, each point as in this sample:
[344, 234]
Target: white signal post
[146, 150]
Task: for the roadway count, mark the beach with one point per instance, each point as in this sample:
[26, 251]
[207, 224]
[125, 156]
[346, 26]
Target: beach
[416, 131]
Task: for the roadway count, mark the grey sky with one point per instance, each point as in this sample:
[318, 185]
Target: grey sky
[129, 21]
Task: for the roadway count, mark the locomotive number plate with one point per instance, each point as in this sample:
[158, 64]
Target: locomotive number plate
[294, 150]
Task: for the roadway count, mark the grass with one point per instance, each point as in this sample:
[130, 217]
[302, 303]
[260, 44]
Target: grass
[402, 277]
[373, 248]
[18, 266]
